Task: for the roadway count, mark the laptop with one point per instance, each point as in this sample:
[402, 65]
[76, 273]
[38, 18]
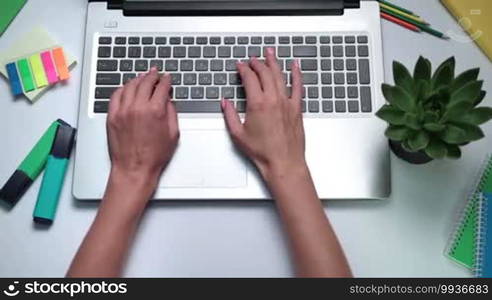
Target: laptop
[338, 43]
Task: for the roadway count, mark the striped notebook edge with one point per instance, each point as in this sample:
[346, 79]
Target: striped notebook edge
[481, 235]
[470, 207]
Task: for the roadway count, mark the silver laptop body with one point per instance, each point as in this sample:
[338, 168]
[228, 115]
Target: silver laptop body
[346, 149]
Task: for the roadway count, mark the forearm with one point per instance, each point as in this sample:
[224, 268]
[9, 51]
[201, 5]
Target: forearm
[104, 249]
[315, 247]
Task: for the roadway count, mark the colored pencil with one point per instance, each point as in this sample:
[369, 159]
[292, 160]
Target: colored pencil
[404, 14]
[400, 22]
[419, 25]
[398, 7]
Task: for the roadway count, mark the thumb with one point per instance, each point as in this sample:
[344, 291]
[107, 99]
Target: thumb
[232, 119]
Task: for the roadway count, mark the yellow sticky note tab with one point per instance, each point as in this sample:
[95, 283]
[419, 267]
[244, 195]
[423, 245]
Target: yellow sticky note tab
[38, 71]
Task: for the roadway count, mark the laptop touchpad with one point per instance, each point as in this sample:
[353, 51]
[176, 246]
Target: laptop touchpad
[205, 158]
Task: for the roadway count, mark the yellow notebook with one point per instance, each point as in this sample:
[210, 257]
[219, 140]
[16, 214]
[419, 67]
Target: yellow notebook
[475, 17]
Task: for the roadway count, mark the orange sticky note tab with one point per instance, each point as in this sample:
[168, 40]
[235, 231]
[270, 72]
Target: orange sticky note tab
[61, 63]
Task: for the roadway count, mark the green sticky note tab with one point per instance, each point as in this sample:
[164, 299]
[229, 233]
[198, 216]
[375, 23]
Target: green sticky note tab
[38, 70]
[8, 10]
[35, 161]
[26, 75]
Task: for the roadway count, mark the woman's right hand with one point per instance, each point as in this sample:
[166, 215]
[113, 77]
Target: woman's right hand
[272, 134]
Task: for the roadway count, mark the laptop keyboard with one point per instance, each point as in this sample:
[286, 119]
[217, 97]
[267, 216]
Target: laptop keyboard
[336, 68]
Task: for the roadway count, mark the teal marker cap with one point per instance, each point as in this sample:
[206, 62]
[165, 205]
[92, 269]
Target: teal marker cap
[54, 176]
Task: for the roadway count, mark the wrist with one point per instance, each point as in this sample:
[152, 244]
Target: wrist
[282, 172]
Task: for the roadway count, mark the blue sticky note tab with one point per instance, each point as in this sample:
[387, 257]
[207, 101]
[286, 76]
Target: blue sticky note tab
[14, 79]
[486, 259]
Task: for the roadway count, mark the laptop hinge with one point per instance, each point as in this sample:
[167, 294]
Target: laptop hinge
[232, 8]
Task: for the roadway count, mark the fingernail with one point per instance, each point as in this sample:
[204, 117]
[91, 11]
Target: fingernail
[153, 69]
[270, 50]
[223, 104]
[296, 63]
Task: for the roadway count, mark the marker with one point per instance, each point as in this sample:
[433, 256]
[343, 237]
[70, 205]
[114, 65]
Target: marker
[54, 175]
[30, 167]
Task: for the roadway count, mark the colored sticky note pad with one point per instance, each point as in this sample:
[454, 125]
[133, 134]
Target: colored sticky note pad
[61, 63]
[49, 67]
[38, 71]
[14, 79]
[25, 74]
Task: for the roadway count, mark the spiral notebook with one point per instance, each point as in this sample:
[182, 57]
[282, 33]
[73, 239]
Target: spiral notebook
[470, 244]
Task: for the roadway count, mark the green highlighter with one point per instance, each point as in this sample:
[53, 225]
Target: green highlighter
[30, 168]
[54, 175]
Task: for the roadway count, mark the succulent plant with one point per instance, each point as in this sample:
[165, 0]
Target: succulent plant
[434, 113]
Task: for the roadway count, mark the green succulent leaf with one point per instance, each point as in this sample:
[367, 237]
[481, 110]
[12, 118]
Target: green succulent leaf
[472, 132]
[396, 133]
[391, 115]
[406, 146]
[402, 99]
[412, 121]
[436, 149]
[434, 127]
[469, 92]
[444, 73]
[387, 92]
[456, 109]
[464, 78]
[419, 141]
[453, 135]
[422, 90]
[476, 116]
[402, 77]
[431, 117]
[423, 69]
[454, 152]
[480, 98]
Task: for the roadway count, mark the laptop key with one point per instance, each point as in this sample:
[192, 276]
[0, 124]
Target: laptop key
[164, 52]
[325, 51]
[234, 79]
[108, 79]
[148, 40]
[239, 51]
[160, 40]
[326, 65]
[240, 93]
[181, 93]
[349, 39]
[104, 92]
[229, 40]
[120, 40]
[256, 40]
[128, 76]
[104, 51]
[362, 39]
[209, 52]
[352, 92]
[171, 65]
[230, 65]
[216, 65]
[339, 78]
[215, 40]
[241, 106]
[324, 39]
[202, 40]
[205, 79]
[352, 78]
[338, 64]
[365, 99]
[188, 40]
[337, 40]
[101, 107]
[141, 65]
[134, 52]
[363, 51]
[134, 40]
[197, 106]
[269, 40]
[326, 78]
[189, 78]
[186, 65]
[327, 106]
[254, 51]
[194, 52]
[201, 65]
[297, 40]
[197, 92]
[179, 52]
[212, 92]
[105, 40]
[327, 92]
[119, 52]
[303, 106]
[220, 78]
[243, 40]
[224, 52]
[350, 51]
[107, 65]
[175, 40]
[339, 92]
[364, 72]
[176, 78]
[351, 64]
[313, 106]
[353, 106]
[157, 63]
[340, 106]
[228, 92]
[149, 52]
[312, 92]
[311, 40]
[305, 51]
[309, 78]
[309, 64]
[284, 40]
[338, 51]
[283, 51]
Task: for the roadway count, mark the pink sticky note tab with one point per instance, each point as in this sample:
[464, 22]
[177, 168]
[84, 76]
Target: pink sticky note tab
[49, 67]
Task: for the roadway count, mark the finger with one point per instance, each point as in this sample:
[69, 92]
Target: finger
[162, 89]
[250, 81]
[130, 90]
[232, 119]
[297, 85]
[115, 102]
[272, 63]
[147, 85]
[266, 78]
[172, 117]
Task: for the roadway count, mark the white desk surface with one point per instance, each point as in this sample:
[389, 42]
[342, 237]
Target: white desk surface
[403, 236]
